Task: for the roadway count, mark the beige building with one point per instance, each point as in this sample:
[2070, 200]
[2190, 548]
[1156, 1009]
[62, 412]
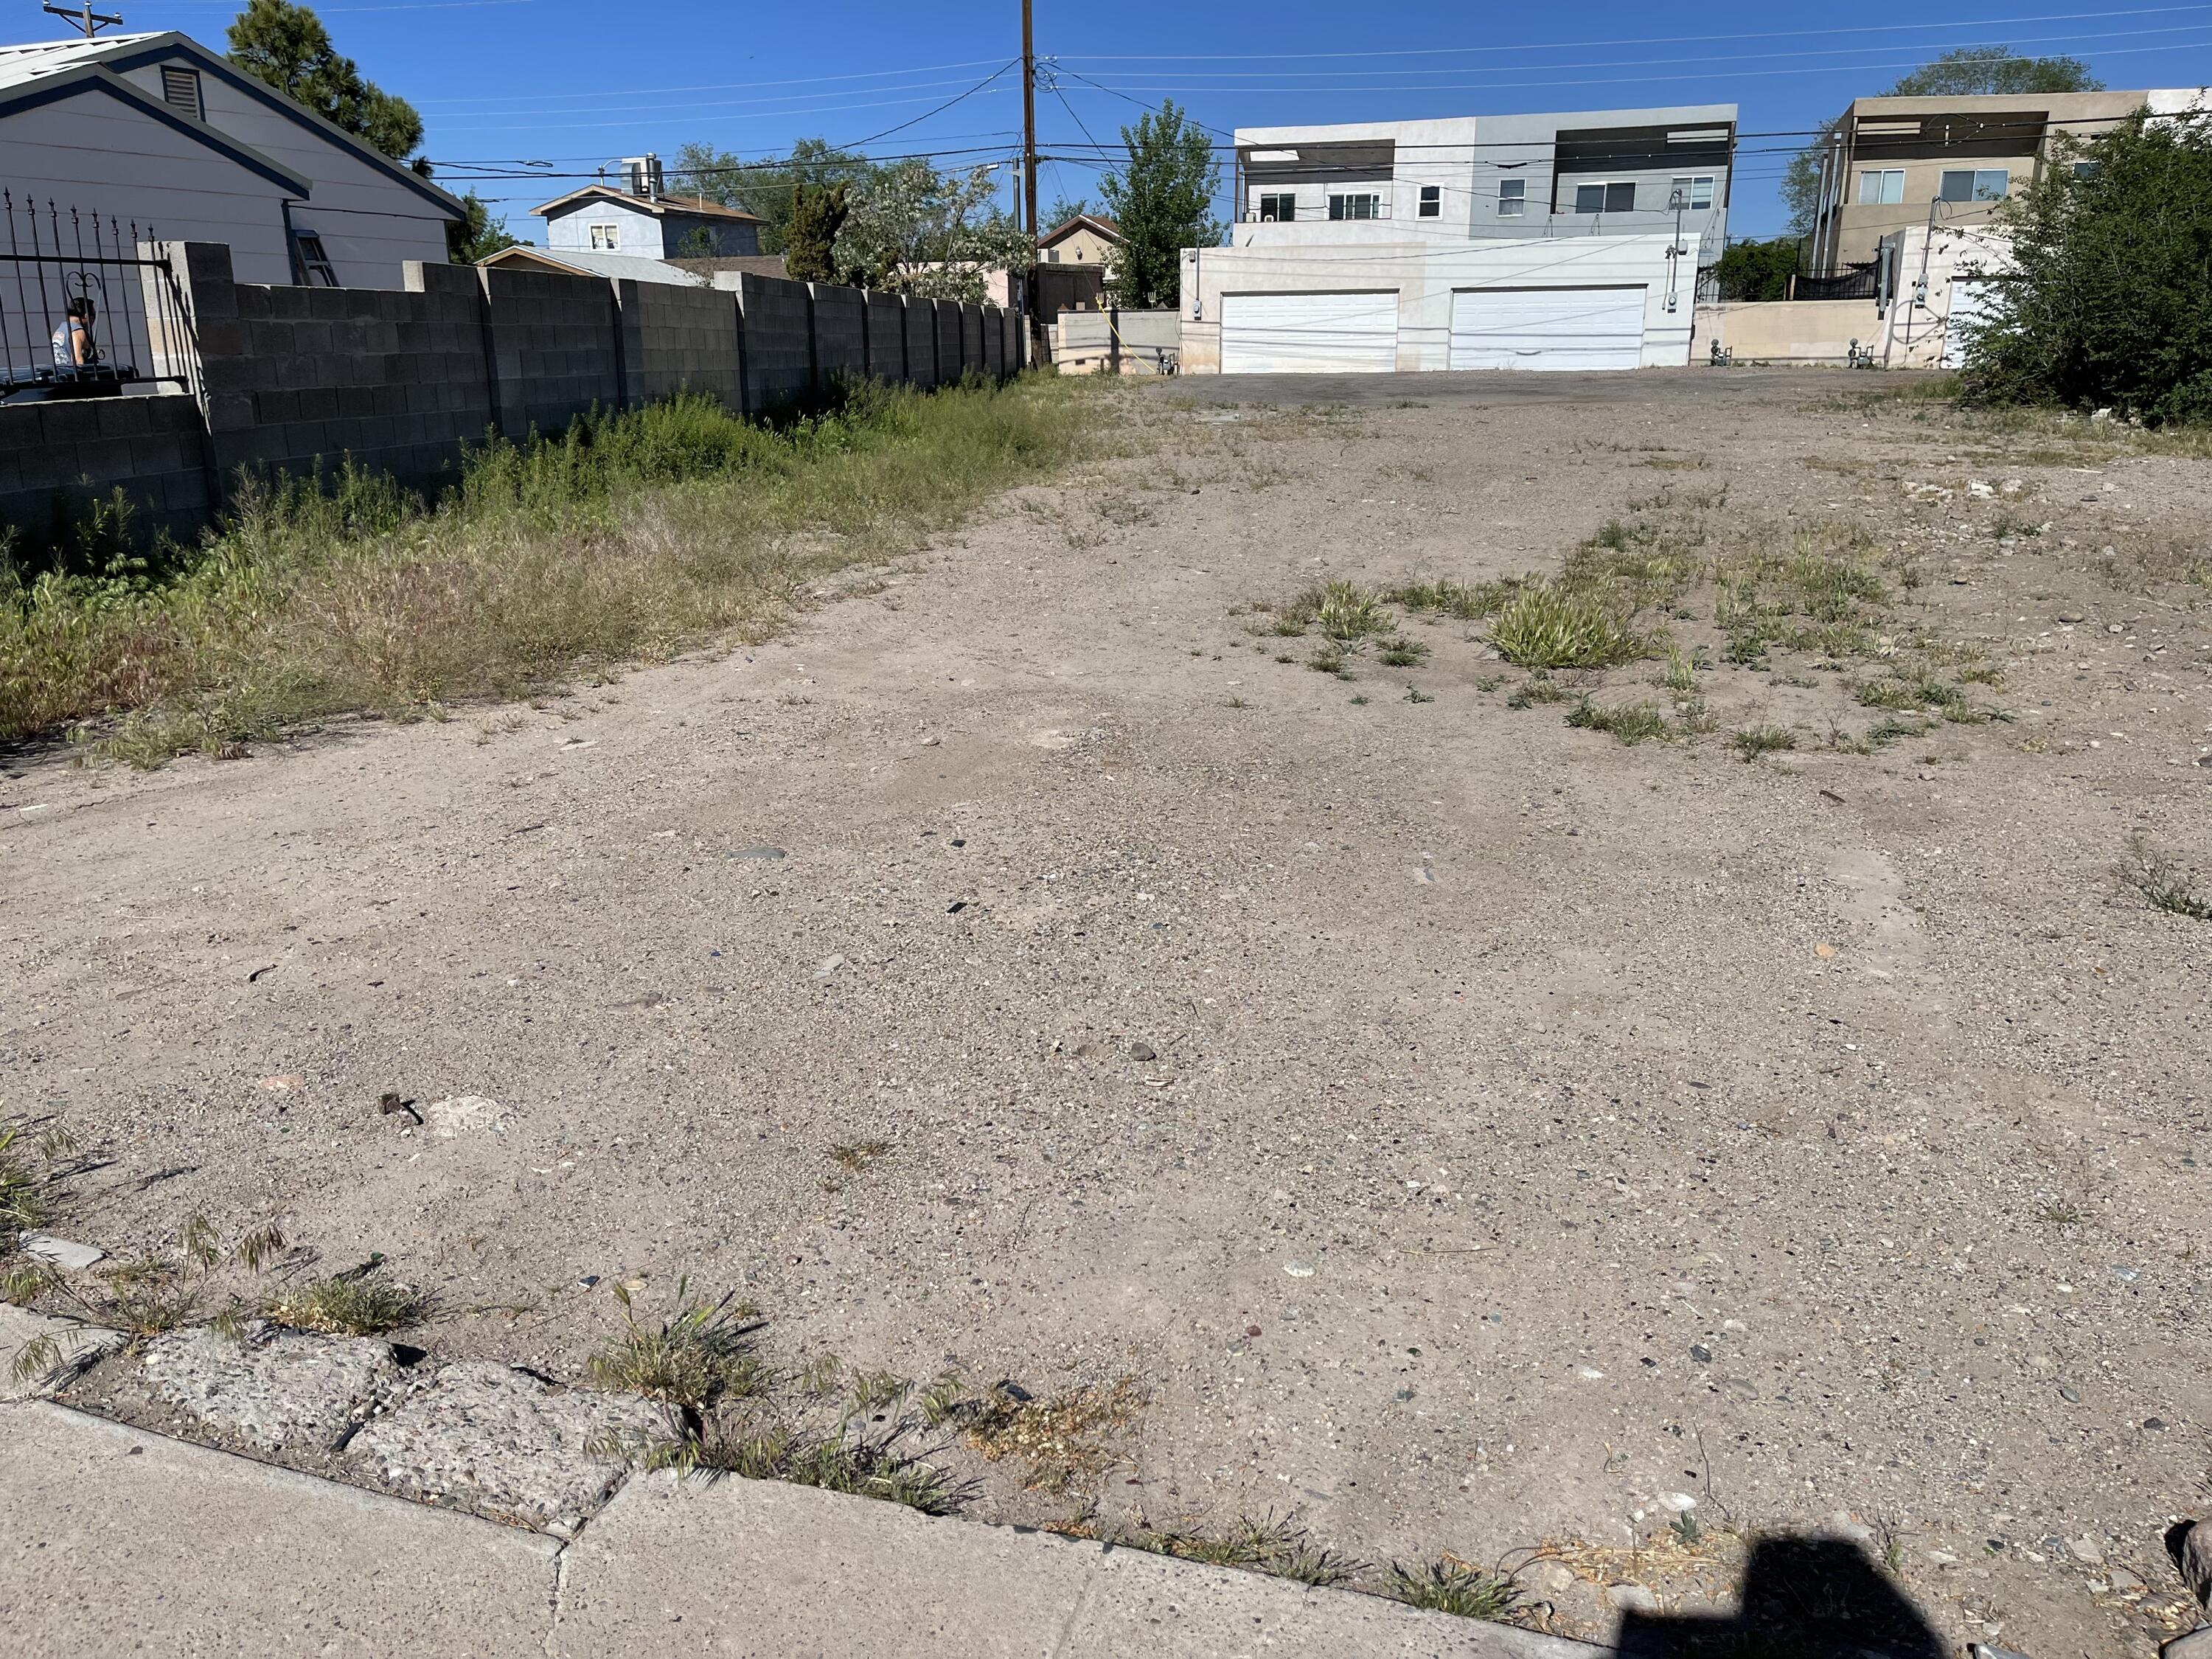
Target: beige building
[1896, 163]
[1085, 240]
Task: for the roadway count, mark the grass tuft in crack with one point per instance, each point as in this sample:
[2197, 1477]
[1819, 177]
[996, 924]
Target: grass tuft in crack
[1452, 1586]
[1276, 1547]
[702, 1352]
[349, 1304]
[1752, 741]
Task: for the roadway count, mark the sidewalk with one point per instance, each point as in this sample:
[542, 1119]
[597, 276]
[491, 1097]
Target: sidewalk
[114, 1541]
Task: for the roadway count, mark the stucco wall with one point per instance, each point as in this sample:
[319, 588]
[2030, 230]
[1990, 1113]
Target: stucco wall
[1426, 275]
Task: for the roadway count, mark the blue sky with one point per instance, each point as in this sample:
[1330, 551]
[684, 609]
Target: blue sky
[577, 84]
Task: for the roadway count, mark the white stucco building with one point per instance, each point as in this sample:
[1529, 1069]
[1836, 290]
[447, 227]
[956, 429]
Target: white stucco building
[1521, 241]
[158, 131]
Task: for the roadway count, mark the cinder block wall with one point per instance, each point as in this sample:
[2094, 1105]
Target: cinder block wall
[779, 341]
[886, 319]
[971, 339]
[289, 379]
[555, 347]
[840, 332]
[680, 339]
[59, 459]
[295, 376]
[948, 342]
[922, 343]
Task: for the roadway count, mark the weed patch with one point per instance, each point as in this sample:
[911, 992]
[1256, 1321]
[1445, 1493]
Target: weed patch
[2162, 883]
[702, 1352]
[1632, 723]
[627, 537]
[1550, 626]
[1067, 1441]
[1752, 741]
[349, 1304]
[1452, 1586]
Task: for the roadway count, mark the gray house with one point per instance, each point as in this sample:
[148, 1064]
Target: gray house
[156, 129]
[646, 224]
[1513, 178]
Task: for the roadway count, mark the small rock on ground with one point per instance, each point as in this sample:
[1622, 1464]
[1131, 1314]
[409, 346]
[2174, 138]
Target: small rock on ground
[501, 1441]
[275, 1389]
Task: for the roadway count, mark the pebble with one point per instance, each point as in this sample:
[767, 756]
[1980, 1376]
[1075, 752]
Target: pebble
[2067, 1393]
[2085, 1548]
[1299, 1269]
[1141, 1052]
[2070, 616]
[829, 966]
[2126, 1275]
[1701, 1353]
[759, 853]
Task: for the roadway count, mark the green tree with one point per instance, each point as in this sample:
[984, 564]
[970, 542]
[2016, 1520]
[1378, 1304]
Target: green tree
[1756, 270]
[2109, 300]
[919, 231]
[1062, 211]
[1163, 199]
[286, 45]
[817, 214]
[1962, 72]
[477, 237]
[770, 189]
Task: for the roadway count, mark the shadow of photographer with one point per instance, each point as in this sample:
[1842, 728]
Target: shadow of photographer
[1803, 1598]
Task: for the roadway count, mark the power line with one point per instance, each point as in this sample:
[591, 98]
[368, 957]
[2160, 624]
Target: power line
[940, 110]
[1646, 40]
[723, 86]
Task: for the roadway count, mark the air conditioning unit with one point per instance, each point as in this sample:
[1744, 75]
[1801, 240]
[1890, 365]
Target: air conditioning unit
[641, 176]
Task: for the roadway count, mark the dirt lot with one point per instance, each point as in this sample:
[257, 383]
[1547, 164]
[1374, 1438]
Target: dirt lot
[1470, 1131]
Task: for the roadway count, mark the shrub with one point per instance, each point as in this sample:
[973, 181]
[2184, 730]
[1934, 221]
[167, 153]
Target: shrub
[2110, 304]
[1549, 627]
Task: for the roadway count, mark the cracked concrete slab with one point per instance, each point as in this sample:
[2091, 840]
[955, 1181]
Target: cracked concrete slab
[276, 1390]
[758, 1570]
[494, 1438]
[113, 1540]
[76, 1346]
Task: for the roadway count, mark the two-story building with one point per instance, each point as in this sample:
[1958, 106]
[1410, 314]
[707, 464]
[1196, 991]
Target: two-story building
[1514, 242]
[1894, 164]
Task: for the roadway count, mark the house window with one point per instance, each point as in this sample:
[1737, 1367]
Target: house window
[1882, 186]
[1365, 205]
[1279, 208]
[1432, 201]
[1619, 197]
[315, 260]
[1512, 198]
[2087, 169]
[180, 89]
[1052, 256]
[606, 239]
[1696, 192]
[1981, 185]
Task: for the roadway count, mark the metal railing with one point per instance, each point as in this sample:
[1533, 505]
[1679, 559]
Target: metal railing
[82, 315]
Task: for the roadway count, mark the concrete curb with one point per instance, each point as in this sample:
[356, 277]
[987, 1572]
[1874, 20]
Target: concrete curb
[112, 1533]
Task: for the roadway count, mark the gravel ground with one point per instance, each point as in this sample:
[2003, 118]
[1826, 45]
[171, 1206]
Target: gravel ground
[1471, 1132]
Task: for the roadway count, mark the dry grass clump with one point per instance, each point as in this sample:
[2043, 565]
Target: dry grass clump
[629, 537]
[700, 1354]
[1067, 1441]
[349, 1304]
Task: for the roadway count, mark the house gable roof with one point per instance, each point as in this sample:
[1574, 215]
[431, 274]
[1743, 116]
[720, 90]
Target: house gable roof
[1104, 226]
[96, 80]
[120, 52]
[657, 206]
[633, 267]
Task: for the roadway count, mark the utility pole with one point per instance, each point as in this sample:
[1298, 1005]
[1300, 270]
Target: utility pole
[86, 19]
[1028, 172]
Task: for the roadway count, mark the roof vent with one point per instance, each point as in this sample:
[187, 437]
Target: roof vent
[641, 176]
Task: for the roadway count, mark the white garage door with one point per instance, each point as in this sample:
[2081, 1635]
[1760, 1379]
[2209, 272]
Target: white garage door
[1309, 333]
[1547, 328]
[1971, 301]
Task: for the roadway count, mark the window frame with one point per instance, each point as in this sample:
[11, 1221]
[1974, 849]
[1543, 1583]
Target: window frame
[1431, 202]
[612, 234]
[314, 258]
[1974, 176]
[1278, 207]
[1341, 204]
[1514, 205]
[1605, 188]
[1881, 196]
[1689, 185]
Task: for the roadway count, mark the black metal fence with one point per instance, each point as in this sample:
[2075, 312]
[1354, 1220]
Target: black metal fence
[1853, 282]
[82, 315]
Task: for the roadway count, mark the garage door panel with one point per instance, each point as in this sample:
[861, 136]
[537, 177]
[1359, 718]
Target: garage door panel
[1309, 333]
[1555, 328]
